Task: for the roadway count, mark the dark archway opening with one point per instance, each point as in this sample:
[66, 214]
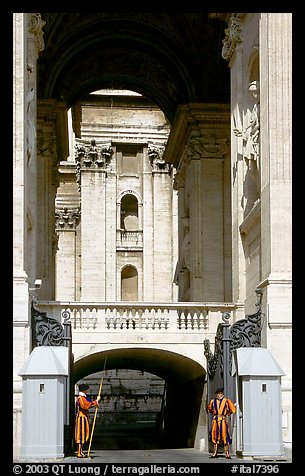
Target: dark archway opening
[173, 425]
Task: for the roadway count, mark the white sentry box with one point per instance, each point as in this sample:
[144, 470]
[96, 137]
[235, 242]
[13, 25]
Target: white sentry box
[43, 379]
[258, 398]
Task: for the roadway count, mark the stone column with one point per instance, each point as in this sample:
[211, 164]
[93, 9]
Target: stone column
[198, 146]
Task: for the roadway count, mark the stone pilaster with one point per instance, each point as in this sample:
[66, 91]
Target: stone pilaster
[21, 309]
[92, 162]
[52, 147]
[182, 276]
[276, 142]
[276, 187]
[199, 155]
[162, 186]
[67, 220]
[27, 31]
[233, 52]
[111, 226]
[147, 212]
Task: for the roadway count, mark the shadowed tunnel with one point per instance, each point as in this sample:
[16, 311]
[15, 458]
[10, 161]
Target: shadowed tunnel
[184, 382]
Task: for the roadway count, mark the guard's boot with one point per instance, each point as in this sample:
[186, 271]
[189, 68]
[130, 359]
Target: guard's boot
[214, 455]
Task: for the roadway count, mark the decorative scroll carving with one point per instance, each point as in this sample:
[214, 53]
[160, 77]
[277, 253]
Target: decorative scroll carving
[247, 332]
[233, 36]
[46, 331]
[66, 219]
[243, 333]
[216, 358]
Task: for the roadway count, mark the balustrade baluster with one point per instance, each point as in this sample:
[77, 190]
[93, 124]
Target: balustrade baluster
[140, 314]
[79, 318]
[164, 319]
[113, 318]
[94, 317]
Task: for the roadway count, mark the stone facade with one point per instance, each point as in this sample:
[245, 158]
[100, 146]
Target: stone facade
[114, 201]
[233, 187]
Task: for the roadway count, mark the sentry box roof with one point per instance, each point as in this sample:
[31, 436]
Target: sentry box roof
[47, 361]
[255, 361]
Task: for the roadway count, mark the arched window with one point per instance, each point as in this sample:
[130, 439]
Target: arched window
[129, 284]
[129, 213]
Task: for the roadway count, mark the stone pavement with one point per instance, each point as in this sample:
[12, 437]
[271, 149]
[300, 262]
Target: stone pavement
[155, 456]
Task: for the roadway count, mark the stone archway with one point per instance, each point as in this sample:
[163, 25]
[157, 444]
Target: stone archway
[184, 384]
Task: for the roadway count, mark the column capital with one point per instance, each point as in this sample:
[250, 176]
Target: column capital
[35, 26]
[93, 155]
[233, 36]
[155, 154]
[67, 218]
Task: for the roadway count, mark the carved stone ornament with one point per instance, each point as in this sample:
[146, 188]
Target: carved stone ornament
[93, 156]
[155, 154]
[66, 219]
[36, 25]
[233, 36]
[209, 147]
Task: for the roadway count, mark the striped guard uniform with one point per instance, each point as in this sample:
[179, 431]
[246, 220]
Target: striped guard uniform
[221, 409]
[82, 405]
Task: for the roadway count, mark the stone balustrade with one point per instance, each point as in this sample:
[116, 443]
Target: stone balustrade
[133, 316]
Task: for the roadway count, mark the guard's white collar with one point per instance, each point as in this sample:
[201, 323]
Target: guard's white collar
[82, 394]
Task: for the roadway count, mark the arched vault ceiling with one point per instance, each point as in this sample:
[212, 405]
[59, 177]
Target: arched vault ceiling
[171, 58]
[167, 365]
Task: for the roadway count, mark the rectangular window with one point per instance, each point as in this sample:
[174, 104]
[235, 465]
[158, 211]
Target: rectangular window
[264, 387]
[41, 388]
[130, 163]
[129, 159]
